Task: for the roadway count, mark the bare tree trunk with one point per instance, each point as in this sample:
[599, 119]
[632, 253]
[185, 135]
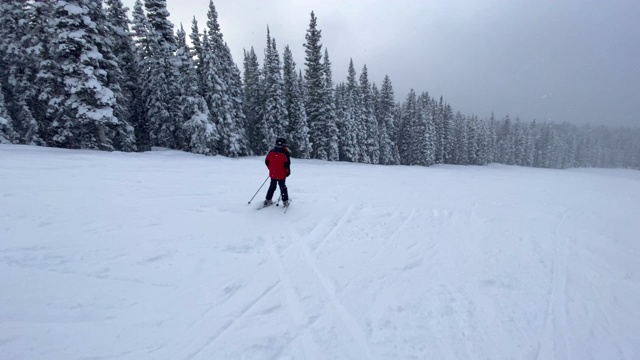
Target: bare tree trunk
[104, 143]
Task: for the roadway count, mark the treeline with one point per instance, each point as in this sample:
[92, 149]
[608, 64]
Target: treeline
[82, 74]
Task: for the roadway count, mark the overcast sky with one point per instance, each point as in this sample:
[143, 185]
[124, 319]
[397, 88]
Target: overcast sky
[558, 60]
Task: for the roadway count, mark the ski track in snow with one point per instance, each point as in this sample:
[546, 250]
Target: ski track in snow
[158, 256]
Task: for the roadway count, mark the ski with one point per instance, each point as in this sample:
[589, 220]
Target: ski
[264, 206]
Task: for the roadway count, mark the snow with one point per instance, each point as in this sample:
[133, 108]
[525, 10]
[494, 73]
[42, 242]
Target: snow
[73, 9]
[158, 256]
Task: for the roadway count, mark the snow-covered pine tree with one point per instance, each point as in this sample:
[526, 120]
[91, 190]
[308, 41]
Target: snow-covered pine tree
[315, 90]
[142, 50]
[298, 130]
[252, 97]
[344, 122]
[222, 89]
[7, 135]
[375, 97]
[338, 98]
[519, 143]
[199, 134]
[386, 109]
[45, 100]
[330, 129]
[460, 151]
[473, 140]
[128, 100]
[238, 140]
[423, 139]
[83, 114]
[273, 124]
[356, 106]
[407, 115]
[530, 143]
[447, 133]
[505, 143]
[17, 73]
[486, 142]
[372, 133]
[437, 115]
[544, 147]
[161, 87]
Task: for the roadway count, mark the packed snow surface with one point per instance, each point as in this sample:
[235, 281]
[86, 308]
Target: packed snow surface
[158, 256]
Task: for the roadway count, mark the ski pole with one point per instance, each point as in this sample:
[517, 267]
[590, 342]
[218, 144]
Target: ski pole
[254, 195]
[278, 202]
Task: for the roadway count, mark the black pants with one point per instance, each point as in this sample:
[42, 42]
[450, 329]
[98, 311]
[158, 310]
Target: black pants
[283, 189]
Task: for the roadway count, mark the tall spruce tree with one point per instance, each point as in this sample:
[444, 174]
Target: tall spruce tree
[386, 108]
[239, 140]
[407, 115]
[273, 124]
[142, 51]
[161, 86]
[17, 73]
[505, 142]
[372, 133]
[252, 98]
[424, 136]
[198, 134]
[47, 100]
[329, 128]
[298, 130]
[222, 88]
[355, 108]
[461, 131]
[315, 88]
[83, 112]
[346, 125]
[128, 99]
[7, 135]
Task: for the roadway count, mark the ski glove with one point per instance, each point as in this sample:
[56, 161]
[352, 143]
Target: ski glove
[288, 173]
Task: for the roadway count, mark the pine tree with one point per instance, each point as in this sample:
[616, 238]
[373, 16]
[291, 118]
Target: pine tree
[359, 119]
[485, 143]
[222, 89]
[347, 141]
[388, 149]
[446, 134]
[423, 132]
[505, 143]
[7, 135]
[273, 124]
[315, 88]
[372, 133]
[83, 115]
[460, 151]
[128, 102]
[198, 134]
[239, 140]
[142, 53]
[329, 127]
[161, 86]
[45, 97]
[408, 119]
[473, 140]
[519, 143]
[298, 130]
[252, 98]
[17, 74]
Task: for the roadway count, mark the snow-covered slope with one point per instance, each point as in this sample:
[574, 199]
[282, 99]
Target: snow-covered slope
[158, 256]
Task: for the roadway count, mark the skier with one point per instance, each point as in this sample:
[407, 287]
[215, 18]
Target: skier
[278, 162]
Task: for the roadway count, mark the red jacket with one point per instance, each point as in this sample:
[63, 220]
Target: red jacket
[278, 162]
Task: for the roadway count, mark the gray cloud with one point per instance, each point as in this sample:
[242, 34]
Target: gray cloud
[570, 60]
